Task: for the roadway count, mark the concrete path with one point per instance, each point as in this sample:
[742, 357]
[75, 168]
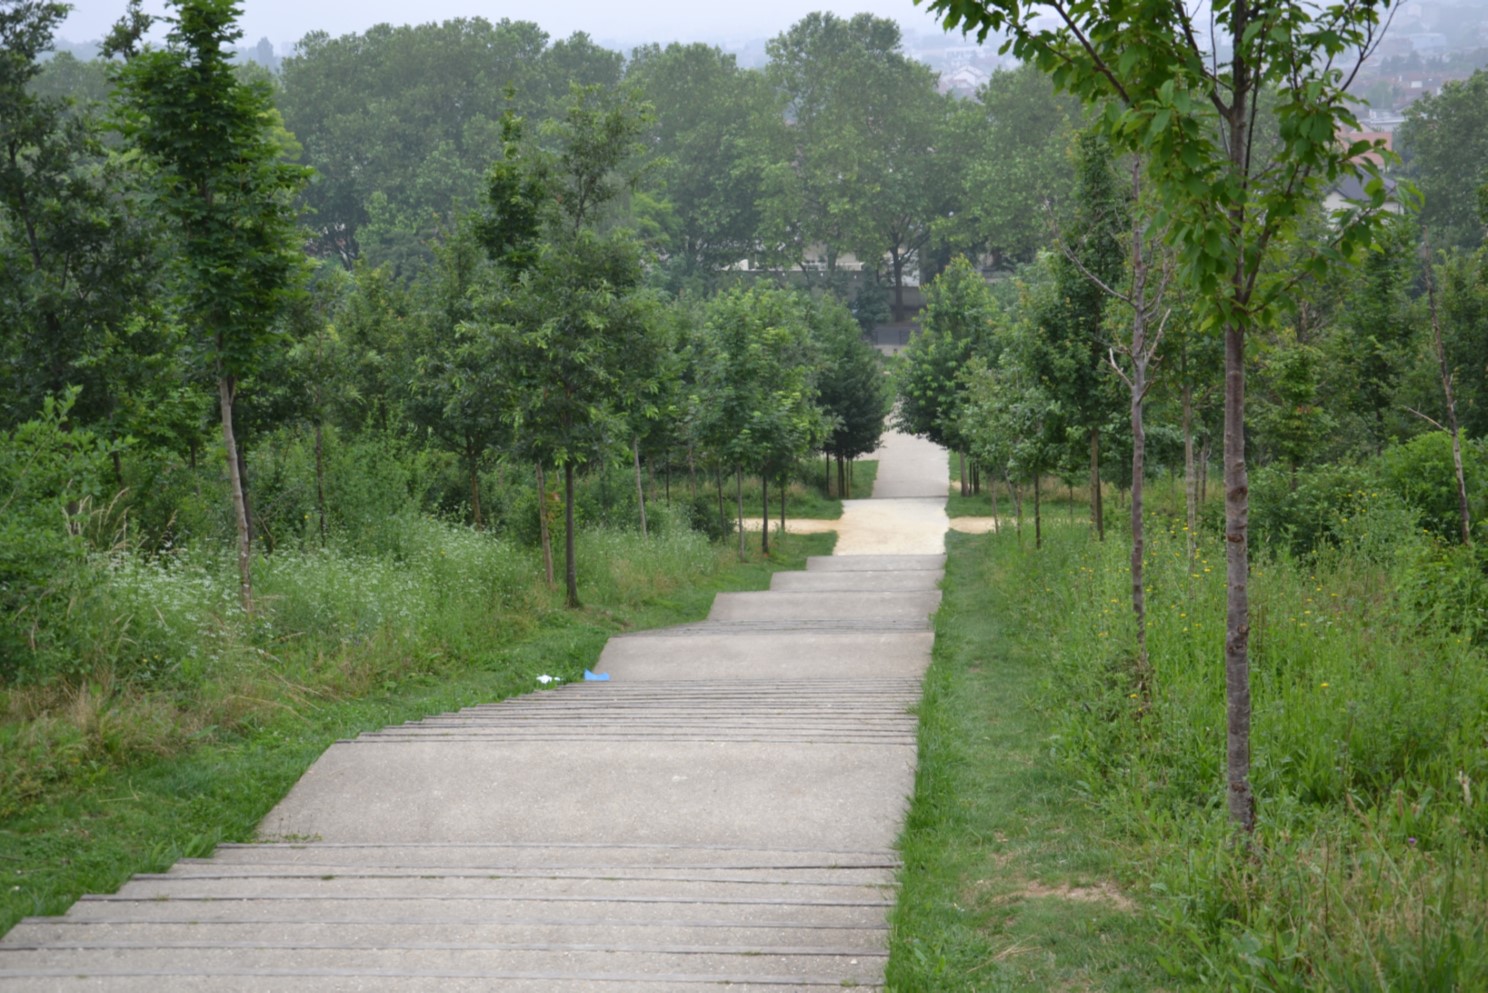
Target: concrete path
[720, 815]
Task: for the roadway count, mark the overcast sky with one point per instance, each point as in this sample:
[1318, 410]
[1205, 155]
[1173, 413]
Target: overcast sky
[620, 21]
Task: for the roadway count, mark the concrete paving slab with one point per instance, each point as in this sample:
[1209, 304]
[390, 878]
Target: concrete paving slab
[61, 981]
[757, 794]
[597, 966]
[766, 605]
[910, 467]
[45, 932]
[876, 563]
[547, 856]
[830, 655]
[471, 910]
[855, 582]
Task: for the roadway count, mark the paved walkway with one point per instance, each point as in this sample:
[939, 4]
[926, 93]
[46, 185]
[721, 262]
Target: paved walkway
[720, 815]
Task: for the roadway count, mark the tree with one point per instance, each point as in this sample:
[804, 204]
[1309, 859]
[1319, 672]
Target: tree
[858, 174]
[1189, 111]
[222, 183]
[852, 391]
[1091, 262]
[77, 248]
[754, 400]
[959, 315]
[570, 314]
[1443, 147]
[411, 113]
[1012, 145]
[704, 145]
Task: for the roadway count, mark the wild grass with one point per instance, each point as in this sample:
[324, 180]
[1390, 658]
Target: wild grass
[1368, 868]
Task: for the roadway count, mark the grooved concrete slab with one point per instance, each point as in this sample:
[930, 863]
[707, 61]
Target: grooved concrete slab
[877, 563]
[855, 582]
[770, 605]
[719, 816]
[717, 793]
[820, 655]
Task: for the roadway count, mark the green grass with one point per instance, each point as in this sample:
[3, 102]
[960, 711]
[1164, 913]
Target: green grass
[1046, 763]
[112, 813]
[807, 499]
[1011, 880]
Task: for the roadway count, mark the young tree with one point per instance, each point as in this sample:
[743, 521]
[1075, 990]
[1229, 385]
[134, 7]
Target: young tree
[225, 188]
[570, 315]
[1186, 99]
[852, 390]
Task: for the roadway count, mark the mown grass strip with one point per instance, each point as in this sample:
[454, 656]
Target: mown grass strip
[1011, 881]
[145, 815]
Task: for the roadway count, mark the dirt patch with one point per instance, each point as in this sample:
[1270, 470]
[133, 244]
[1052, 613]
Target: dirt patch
[1105, 893]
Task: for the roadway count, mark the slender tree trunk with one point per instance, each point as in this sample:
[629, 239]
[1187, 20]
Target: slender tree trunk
[849, 490]
[472, 461]
[898, 263]
[722, 517]
[545, 533]
[1463, 515]
[1237, 602]
[784, 489]
[225, 397]
[827, 474]
[635, 449]
[996, 510]
[692, 474]
[739, 500]
[320, 501]
[764, 513]
[1038, 515]
[1017, 507]
[1190, 476]
[1097, 507]
[976, 479]
[961, 468]
[570, 561]
[1139, 467]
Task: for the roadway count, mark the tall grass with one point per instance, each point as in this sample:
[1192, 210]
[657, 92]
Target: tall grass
[163, 655]
[1368, 869]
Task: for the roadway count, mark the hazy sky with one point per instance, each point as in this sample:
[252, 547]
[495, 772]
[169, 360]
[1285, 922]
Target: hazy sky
[283, 21]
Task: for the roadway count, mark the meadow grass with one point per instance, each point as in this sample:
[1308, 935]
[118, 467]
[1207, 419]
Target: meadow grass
[1368, 867]
[195, 720]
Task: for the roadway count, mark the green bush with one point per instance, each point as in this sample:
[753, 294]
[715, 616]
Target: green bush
[51, 485]
[1421, 473]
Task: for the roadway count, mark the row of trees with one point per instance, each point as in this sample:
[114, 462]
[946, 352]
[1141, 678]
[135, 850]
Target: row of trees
[1196, 271]
[156, 282]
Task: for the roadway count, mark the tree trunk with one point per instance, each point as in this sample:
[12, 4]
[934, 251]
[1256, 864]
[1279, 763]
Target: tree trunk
[570, 562]
[1038, 515]
[1139, 466]
[827, 474]
[225, 397]
[1463, 515]
[1017, 507]
[898, 263]
[545, 534]
[635, 448]
[1190, 477]
[1097, 509]
[473, 463]
[1237, 602]
[739, 500]
[764, 513]
[320, 501]
[783, 490]
[722, 517]
[961, 468]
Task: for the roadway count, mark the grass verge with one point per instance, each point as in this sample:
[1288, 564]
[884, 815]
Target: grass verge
[109, 820]
[1011, 880]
